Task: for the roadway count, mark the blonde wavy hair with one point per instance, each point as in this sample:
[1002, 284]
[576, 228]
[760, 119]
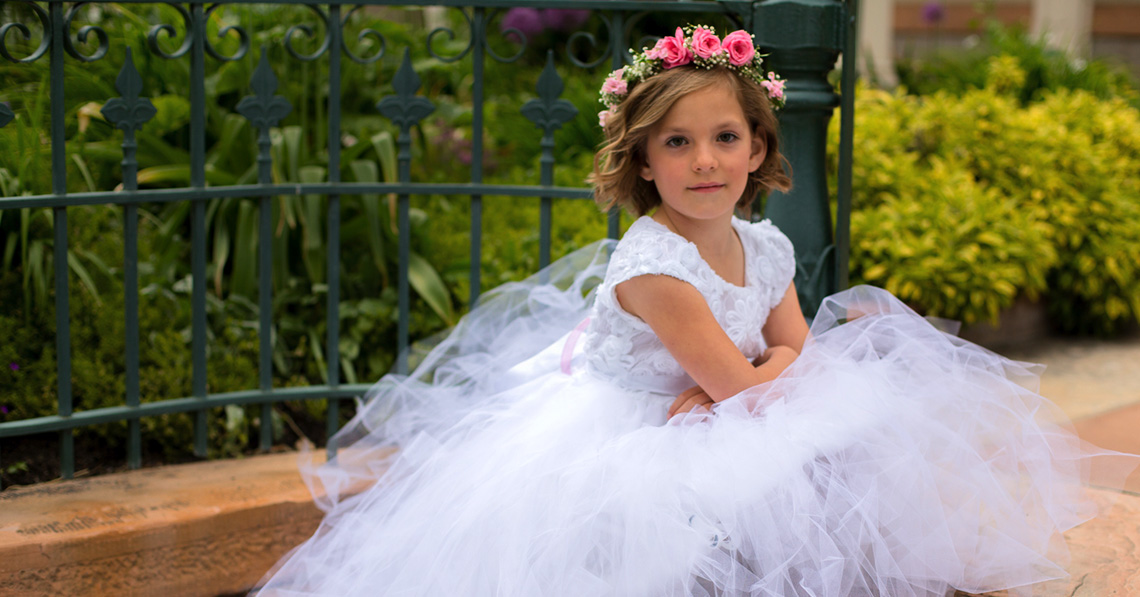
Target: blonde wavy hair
[617, 166]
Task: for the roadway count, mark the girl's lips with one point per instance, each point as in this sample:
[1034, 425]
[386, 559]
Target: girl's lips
[706, 187]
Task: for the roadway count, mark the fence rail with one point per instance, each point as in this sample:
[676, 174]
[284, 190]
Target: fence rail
[803, 39]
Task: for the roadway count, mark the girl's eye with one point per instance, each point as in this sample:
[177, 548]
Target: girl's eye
[675, 141]
[727, 137]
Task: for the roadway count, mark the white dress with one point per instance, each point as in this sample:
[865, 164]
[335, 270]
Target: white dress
[534, 457]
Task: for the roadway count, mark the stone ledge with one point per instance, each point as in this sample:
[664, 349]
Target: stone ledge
[205, 528]
[214, 528]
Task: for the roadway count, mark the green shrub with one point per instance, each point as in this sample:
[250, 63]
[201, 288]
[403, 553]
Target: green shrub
[964, 201]
[957, 250]
[98, 340]
[923, 228]
[1096, 289]
[368, 317]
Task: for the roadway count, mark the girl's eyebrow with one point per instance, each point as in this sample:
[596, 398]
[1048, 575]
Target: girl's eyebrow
[728, 124]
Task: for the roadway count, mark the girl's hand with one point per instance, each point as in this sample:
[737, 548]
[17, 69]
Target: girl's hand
[776, 357]
[774, 360]
[690, 400]
[680, 317]
[778, 354]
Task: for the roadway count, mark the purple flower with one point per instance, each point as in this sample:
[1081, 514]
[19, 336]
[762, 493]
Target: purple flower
[526, 20]
[933, 12]
[3, 409]
[14, 366]
[564, 19]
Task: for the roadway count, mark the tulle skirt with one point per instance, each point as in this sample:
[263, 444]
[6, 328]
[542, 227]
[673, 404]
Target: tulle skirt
[891, 459]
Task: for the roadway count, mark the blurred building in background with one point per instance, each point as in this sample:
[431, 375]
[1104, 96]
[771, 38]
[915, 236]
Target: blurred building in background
[889, 29]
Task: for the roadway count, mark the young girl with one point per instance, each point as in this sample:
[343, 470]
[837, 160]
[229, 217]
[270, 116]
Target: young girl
[678, 431]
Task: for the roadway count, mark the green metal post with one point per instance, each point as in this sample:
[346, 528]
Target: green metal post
[59, 187]
[846, 149]
[405, 109]
[549, 113]
[617, 60]
[265, 109]
[198, 220]
[129, 113]
[332, 349]
[803, 39]
[478, 48]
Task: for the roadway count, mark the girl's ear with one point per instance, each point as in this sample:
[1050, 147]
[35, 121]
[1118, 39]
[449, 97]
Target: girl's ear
[759, 151]
[647, 173]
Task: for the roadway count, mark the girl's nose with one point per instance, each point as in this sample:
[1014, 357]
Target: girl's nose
[704, 160]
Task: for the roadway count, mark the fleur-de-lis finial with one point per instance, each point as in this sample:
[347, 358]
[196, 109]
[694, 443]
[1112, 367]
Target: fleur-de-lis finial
[405, 109]
[548, 111]
[130, 111]
[264, 109]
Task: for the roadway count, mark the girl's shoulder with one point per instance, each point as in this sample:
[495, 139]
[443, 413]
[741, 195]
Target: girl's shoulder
[648, 247]
[763, 233]
[770, 256]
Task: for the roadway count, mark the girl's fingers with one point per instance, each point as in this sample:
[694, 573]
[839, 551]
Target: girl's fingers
[690, 404]
[682, 404]
[682, 398]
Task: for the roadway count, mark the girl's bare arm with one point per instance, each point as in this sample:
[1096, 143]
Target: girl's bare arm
[786, 325]
[681, 318]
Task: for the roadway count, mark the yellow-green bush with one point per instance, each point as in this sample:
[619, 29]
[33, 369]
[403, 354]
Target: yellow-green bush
[964, 201]
[950, 245]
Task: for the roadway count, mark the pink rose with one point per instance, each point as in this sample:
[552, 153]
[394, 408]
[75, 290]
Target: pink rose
[615, 84]
[672, 50]
[604, 117]
[705, 43]
[738, 44]
[774, 86]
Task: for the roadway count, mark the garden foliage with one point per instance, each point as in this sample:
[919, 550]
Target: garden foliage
[965, 201]
[368, 315]
[967, 196]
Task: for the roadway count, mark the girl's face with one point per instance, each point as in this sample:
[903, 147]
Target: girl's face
[699, 156]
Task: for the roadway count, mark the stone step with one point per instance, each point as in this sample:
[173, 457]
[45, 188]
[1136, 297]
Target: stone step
[207, 528]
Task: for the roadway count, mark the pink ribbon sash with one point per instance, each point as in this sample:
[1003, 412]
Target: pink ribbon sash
[568, 348]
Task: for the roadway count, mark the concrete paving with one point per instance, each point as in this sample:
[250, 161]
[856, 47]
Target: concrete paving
[1097, 384]
[1087, 378]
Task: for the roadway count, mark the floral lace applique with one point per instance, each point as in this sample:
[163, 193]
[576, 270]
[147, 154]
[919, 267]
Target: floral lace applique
[619, 345]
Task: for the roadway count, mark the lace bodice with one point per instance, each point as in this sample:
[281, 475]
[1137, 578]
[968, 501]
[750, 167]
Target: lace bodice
[622, 347]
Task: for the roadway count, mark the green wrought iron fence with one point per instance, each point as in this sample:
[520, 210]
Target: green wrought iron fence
[803, 38]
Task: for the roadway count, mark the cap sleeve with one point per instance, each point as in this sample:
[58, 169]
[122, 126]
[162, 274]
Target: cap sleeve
[774, 264]
[649, 249]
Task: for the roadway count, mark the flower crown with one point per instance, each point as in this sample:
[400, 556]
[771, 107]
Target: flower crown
[697, 45]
